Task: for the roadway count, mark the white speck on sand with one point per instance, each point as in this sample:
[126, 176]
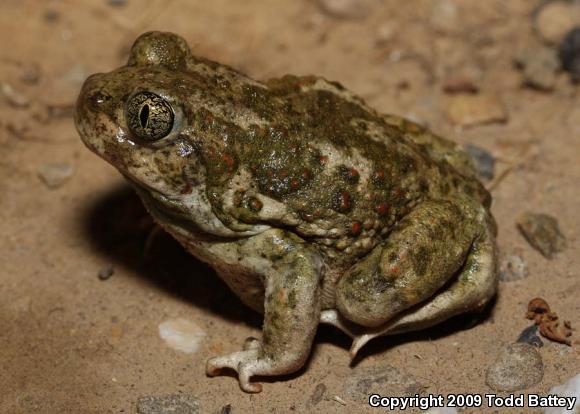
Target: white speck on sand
[570, 389]
[442, 410]
[182, 335]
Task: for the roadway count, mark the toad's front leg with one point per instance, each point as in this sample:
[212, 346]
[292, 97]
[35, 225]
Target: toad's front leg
[291, 312]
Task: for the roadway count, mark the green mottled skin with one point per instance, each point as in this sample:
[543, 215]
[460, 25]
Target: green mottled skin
[303, 198]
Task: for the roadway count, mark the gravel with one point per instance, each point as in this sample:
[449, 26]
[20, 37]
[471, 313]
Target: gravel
[571, 389]
[542, 232]
[530, 336]
[539, 67]
[226, 409]
[517, 367]
[569, 53]
[168, 404]
[470, 110]
[347, 9]
[553, 19]
[317, 394]
[483, 161]
[365, 381]
[182, 335]
[106, 272]
[54, 175]
[513, 267]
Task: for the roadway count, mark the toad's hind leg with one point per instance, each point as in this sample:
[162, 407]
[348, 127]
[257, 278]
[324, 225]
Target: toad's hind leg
[426, 249]
[473, 287]
[471, 290]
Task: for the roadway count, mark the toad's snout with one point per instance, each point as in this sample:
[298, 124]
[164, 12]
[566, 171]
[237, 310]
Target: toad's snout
[96, 115]
[92, 97]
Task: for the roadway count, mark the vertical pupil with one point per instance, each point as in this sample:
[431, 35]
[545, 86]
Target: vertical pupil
[144, 115]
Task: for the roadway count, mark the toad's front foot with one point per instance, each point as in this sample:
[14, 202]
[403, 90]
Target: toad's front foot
[252, 360]
[291, 315]
[243, 362]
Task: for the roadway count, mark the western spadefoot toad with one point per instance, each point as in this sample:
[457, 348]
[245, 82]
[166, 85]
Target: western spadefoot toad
[312, 207]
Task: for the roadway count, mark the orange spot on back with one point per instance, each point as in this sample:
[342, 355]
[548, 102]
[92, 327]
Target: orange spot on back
[355, 228]
[382, 209]
[344, 204]
[379, 175]
[228, 161]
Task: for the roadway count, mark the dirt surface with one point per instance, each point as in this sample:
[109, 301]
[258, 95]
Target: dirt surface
[73, 343]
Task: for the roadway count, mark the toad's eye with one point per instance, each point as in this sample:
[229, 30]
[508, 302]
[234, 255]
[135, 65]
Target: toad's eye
[149, 116]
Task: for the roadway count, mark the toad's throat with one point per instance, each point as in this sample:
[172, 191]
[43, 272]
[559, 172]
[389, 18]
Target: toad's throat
[166, 212]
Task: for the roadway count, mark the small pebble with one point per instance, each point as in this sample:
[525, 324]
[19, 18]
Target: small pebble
[469, 110]
[182, 335]
[226, 409]
[53, 175]
[13, 97]
[569, 54]
[513, 267]
[518, 366]
[365, 381]
[168, 404]
[117, 3]
[570, 389]
[539, 67]
[347, 9]
[31, 74]
[542, 232]
[51, 16]
[530, 336]
[483, 161]
[556, 18]
[459, 84]
[106, 272]
[317, 394]
[442, 410]
[116, 334]
[443, 15]
[384, 34]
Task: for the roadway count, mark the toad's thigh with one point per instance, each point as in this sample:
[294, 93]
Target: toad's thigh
[426, 249]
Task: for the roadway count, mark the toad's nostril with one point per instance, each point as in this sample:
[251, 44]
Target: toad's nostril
[98, 99]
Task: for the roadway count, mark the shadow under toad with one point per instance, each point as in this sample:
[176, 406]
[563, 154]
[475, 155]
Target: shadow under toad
[120, 229]
[119, 226]
[453, 325]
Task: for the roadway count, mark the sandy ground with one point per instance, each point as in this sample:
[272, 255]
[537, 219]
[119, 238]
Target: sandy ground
[71, 343]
